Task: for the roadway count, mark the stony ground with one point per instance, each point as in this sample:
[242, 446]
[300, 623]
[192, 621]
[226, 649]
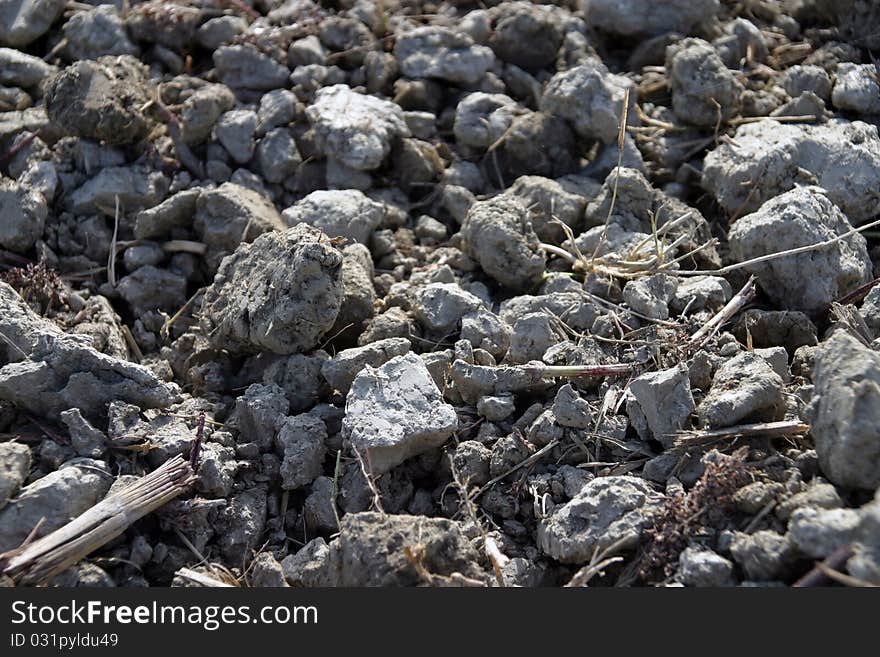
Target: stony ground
[463, 293]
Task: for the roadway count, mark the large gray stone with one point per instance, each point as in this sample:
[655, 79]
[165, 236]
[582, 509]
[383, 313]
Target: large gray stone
[395, 412]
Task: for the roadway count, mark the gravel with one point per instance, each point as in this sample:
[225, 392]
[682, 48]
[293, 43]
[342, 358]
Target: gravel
[425, 291]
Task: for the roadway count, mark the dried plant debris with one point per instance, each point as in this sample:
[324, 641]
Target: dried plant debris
[439, 293]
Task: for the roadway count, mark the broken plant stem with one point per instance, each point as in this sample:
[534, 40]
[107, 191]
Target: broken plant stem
[553, 371]
[40, 561]
[818, 576]
[769, 429]
[775, 255]
[737, 303]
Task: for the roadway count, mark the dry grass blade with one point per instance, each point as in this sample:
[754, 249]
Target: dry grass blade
[776, 254]
[769, 429]
[37, 563]
[202, 579]
[737, 303]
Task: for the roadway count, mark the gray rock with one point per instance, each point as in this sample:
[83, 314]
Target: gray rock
[518, 23]
[856, 88]
[699, 293]
[770, 158]
[299, 375]
[647, 18]
[572, 410]
[396, 412]
[485, 330]
[25, 21]
[319, 511]
[301, 440]
[15, 464]
[21, 326]
[85, 439]
[97, 33]
[819, 532]
[217, 469]
[219, 31]
[308, 567]
[651, 295]
[104, 99]
[200, 111]
[702, 567]
[659, 404]
[230, 215]
[764, 555]
[870, 310]
[342, 369]
[441, 53]
[609, 510]
[235, 130]
[371, 550]
[56, 498]
[358, 303]
[548, 201]
[63, 372]
[591, 100]
[498, 234]
[240, 525]
[470, 461]
[174, 212]
[481, 119]
[266, 572]
[496, 408]
[277, 108]
[277, 156]
[801, 217]
[818, 495]
[137, 187]
[704, 91]
[142, 255]
[355, 129]
[744, 388]
[150, 288]
[806, 77]
[777, 358]
[475, 381]
[259, 299]
[769, 328]
[245, 67]
[24, 213]
[439, 307]
[18, 69]
[531, 336]
[865, 562]
[345, 213]
[846, 426]
[261, 411]
[305, 51]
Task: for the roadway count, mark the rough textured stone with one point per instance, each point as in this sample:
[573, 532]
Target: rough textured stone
[439, 52]
[339, 213]
[355, 129]
[846, 417]
[744, 388]
[647, 17]
[370, 550]
[498, 234]
[281, 293]
[56, 498]
[660, 403]
[395, 412]
[770, 158]
[591, 99]
[801, 217]
[607, 510]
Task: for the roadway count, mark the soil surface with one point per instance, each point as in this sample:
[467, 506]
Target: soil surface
[495, 293]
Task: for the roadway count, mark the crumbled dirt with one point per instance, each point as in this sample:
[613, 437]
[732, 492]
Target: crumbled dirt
[497, 293]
